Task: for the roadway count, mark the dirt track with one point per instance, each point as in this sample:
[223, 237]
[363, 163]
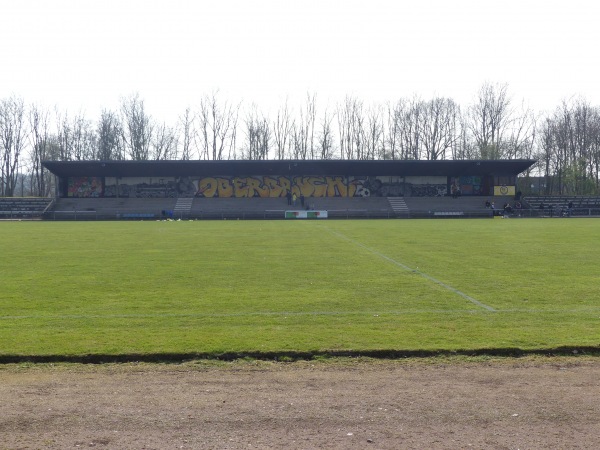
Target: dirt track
[528, 403]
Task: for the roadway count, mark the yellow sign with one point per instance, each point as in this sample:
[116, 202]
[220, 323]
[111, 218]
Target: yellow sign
[504, 190]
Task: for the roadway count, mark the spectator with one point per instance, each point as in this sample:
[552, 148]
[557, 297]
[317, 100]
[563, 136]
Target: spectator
[518, 207]
[487, 204]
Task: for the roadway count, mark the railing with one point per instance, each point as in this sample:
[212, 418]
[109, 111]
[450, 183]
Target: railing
[19, 214]
[450, 214]
[332, 214]
[77, 215]
[49, 206]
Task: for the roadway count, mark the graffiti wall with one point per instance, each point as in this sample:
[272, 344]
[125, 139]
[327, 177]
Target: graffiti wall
[426, 186]
[378, 186]
[85, 187]
[466, 185]
[309, 186]
[245, 187]
[271, 186]
[150, 187]
[278, 186]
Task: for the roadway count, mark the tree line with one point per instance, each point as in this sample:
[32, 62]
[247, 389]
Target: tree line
[566, 142]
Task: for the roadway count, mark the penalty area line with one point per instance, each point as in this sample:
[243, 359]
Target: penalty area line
[410, 269]
[284, 314]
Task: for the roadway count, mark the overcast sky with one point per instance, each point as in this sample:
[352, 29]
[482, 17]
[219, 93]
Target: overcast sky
[82, 55]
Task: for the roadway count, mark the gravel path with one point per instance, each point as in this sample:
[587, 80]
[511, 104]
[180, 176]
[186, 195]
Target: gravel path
[528, 403]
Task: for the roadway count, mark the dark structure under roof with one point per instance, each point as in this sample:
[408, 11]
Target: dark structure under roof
[65, 169]
[277, 178]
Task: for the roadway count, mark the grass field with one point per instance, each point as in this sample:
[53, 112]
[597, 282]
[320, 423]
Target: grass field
[260, 287]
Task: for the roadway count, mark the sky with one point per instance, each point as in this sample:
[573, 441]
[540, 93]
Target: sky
[86, 55]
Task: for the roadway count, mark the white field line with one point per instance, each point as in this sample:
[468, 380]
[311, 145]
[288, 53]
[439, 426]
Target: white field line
[410, 269]
[284, 314]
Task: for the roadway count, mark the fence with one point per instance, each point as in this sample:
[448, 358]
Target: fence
[332, 214]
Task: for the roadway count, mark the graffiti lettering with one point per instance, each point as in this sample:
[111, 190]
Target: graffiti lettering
[320, 186]
[277, 186]
[317, 187]
[336, 187]
[428, 190]
[249, 187]
[242, 187]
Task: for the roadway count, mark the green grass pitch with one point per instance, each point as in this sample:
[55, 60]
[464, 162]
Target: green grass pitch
[251, 287]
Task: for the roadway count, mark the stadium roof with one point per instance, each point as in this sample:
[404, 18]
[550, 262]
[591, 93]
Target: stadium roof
[196, 168]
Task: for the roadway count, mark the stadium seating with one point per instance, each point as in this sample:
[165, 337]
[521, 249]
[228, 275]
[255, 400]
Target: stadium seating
[109, 208]
[269, 208]
[274, 208]
[555, 205]
[23, 207]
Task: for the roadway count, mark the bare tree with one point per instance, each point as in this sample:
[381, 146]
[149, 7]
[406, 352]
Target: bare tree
[83, 142]
[594, 164]
[350, 128]
[109, 136]
[489, 118]
[309, 124]
[303, 131]
[217, 128]
[13, 134]
[164, 143]
[465, 147]
[545, 149]
[408, 116]
[373, 134]
[438, 128]
[76, 139]
[520, 137]
[63, 136]
[137, 128]
[40, 151]
[569, 148]
[390, 132]
[325, 137]
[299, 147]
[187, 122]
[258, 136]
[282, 129]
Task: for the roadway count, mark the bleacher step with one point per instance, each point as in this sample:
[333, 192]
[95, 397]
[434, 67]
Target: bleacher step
[398, 205]
[183, 205]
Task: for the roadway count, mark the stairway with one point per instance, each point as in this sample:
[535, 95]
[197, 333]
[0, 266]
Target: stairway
[398, 205]
[183, 206]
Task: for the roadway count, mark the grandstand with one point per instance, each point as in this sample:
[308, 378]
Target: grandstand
[133, 190]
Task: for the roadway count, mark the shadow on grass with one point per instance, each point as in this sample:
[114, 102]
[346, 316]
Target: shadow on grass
[290, 356]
